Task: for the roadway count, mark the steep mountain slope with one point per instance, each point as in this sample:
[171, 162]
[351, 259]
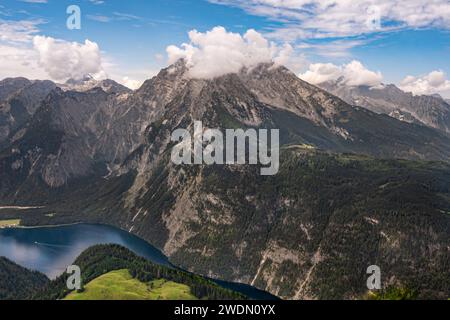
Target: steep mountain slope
[18, 283]
[309, 232]
[432, 111]
[75, 133]
[56, 144]
[19, 99]
[272, 97]
[63, 141]
[10, 85]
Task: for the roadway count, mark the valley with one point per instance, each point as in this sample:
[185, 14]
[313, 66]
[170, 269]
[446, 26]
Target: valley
[354, 188]
[49, 250]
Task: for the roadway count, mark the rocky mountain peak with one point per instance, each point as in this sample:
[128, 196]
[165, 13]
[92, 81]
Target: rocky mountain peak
[88, 82]
[428, 110]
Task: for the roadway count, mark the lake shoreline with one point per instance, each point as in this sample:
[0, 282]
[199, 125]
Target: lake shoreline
[150, 252]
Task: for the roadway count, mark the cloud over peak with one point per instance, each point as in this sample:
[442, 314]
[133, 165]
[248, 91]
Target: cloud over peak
[63, 60]
[350, 74]
[431, 83]
[218, 52]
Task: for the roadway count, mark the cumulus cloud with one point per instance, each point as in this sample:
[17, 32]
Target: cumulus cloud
[432, 83]
[321, 72]
[20, 61]
[26, 54]
[131, 83]
[63, 60]
[218, 52]
[351, 74]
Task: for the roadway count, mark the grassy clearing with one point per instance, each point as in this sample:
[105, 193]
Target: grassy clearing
[9, 223]
[119, 285]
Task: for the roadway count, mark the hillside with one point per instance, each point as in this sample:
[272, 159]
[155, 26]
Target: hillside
[322, 212]
[114, 272]
[120, 285]
[18, 283]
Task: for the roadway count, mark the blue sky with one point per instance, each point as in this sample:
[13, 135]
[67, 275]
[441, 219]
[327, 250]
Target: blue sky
[133, 35]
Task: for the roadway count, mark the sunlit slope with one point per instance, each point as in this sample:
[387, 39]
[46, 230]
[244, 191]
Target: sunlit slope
[120, 285]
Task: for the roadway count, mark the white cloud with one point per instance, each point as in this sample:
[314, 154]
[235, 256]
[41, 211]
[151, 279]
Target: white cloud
[63, 60]
[218, 52]
[332, 49]
[131, 83]
[17, 57]
[23, 53]
[432, 83]
[18, 31]
[341, 18]
[351, 74]
[126, 16]
[98, 18]
[321, 72]
[18, 61]
[35, 1]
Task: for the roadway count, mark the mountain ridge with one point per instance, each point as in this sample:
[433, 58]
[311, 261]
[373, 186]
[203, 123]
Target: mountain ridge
[431, 110]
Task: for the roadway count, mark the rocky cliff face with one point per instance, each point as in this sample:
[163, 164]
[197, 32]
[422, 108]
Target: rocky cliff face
[432, 111]
[19, 99]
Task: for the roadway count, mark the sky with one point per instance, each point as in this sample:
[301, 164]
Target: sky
[366, 42]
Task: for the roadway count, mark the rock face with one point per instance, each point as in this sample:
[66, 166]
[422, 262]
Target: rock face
[432, 111]
[337, 206]
[19, 99]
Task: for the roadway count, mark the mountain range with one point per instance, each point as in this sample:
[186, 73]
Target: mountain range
[432, 110]
[356, 186]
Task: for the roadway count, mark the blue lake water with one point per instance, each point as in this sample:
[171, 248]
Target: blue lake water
[51, 249]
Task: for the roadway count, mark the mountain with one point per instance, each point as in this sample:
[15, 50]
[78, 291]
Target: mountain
[19, 99]
[9, 86]
[90, 133]
[63, 139]
[88, 82]
[355, 188]
[432, 111]
[18, 283]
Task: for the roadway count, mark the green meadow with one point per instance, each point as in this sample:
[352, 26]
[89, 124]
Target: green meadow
[120, 285]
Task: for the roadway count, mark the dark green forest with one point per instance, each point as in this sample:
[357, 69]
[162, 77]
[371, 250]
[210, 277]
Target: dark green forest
[18, 283]
[102, 259]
